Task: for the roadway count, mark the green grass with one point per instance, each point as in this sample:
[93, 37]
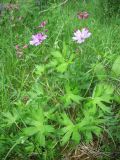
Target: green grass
[18, 77]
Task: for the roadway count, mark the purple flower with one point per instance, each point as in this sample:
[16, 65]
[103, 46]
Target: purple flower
[83, 15]
[80, 36]
[38, 39]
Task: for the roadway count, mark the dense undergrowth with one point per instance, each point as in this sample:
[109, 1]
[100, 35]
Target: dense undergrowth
[60, 95]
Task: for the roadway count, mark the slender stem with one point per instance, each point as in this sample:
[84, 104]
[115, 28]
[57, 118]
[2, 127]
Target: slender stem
[54, 6]
[10, 150]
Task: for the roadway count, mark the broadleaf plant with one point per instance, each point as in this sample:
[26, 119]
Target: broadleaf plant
[38, 126]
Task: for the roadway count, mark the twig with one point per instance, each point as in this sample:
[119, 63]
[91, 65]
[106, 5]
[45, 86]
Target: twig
[64, 2]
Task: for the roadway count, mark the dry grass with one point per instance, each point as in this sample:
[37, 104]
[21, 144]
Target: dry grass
[86, 152]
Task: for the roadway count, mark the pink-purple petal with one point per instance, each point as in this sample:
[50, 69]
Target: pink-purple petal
[80, 36]
[38, 39]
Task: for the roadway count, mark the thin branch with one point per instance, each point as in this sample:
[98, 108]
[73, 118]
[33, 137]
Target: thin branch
[64, 2]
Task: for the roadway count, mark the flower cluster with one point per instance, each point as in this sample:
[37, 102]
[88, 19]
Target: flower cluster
[83, 15]
[38, 38]
[80, 36]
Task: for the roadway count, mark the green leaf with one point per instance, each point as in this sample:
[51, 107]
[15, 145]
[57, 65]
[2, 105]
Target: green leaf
[38, 115]
[39, 126]
[76, 98]
[66, 137]
[117, 98]
[89, 109]
[58, 56]
[11, 117]
[88, 137]
[39, 69]
[97, 131]
[40, 138]
[66, 120]
[72, 56]
[29, 147]
[102, 93]
[65, 49]
[70, 131]
[62, 67]
[100, 71]
[70, 97]
[104, 107]
[49, 129]
[116, 67]
[52, 63]
[66, 131]
[89, 125]
[76, 135]
[29, 131]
